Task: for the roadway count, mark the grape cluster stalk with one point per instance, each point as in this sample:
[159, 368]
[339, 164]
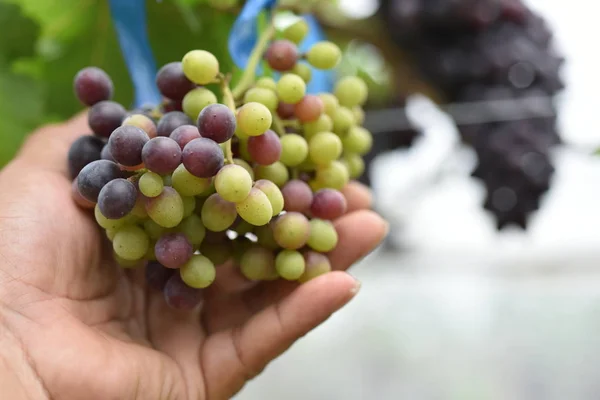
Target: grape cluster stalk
[485, 51]
[251, 174]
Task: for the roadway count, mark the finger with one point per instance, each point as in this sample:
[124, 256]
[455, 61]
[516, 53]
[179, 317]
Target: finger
[359, 234]
[241, 353]
[358, 196]
[48, 147]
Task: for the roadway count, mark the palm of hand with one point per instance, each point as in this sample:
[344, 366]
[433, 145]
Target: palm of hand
[88, 329]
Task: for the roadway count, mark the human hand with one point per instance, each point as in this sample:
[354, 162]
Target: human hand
[73, 325]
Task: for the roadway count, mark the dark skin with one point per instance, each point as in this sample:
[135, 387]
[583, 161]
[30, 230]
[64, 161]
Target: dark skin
[73, 325]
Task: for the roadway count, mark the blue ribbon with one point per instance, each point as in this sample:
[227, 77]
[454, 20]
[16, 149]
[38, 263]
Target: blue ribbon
[244, 35]
[129, 18]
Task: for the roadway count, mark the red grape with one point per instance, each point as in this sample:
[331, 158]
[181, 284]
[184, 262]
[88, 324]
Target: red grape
[285, 110]
[297, 196]
[117, 198]
[282, 55]
[328, 204]
[170, 121]
[185, 134]
[106, 116]
[161, 155]
[83, 151]
[157, 275]
[216, 122]
[265, 149]
[126, 145]
[180, 296]
[203, 157]
[173, 250]
[92, 85]
[309, 109]
[172, 82]
[94, 176]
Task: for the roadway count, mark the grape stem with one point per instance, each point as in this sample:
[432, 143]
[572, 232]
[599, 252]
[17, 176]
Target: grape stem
[249, 75]
[229, 101]
[278, 126]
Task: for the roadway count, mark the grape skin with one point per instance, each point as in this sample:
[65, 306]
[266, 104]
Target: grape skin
[328, 204]
[126, 144]
[94, 176]
[172, 82]
[92, 85]
[254, 119]
[131, 243]
[157, 275]
[282, 55]
[199, 272]
[143, 122]
[106, 116]
[218, 214]
[216, 122]
[161, 155]
[296, 32]
[173, 250]
[256, 208]
[200, 66]
[151, 184]
[233, 183]
[317, 264]
[290, 265]
[309, 109]
[180, 296]
[196, 100]
[297, 196]
[187, 184]
[273, 194]
[323, 236]
[265, 149]
[117, 198]
[166, 209]
[185, 134]
[291, 231]
[83, 151]
[203, 158]
[171, 121]
[291, 88]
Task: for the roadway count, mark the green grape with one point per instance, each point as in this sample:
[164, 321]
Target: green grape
[233, 183]
[266, 97]
[199, 272]
[355, 165]
[200, 66]
[291, 230]
[358, 140]
[351, 91]
[111, 223]
[291, 88]
[276, 173]
[273, 193]
[187, 184]
[256, 208]
[167, 209]
[324, 148]
[193, 229]
[239, 134]
[333, 176]
[150, 254]
[324, 55]
[154, 230]
[316, 185]
[323, 124]
[323, 236]
[265, 236]
[131, 243]
[189, 205]
[217, 213]
[257, 263]
[290, 265]
[307, 165]
[244, 164]
[195, 101]
[343, 120]
[303, 71]
[294, 149]
[127, 264]
[167, 181]
[254, 119]
[359, 115]
[218, 253]
[296, 32]
[266, 83]
[330, 102]
[316, 265]
[110, 234]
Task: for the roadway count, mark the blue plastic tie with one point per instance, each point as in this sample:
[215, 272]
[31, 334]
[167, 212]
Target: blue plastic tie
[129, 18]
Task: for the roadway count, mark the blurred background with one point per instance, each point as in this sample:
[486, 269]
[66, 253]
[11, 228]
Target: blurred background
[485, 125]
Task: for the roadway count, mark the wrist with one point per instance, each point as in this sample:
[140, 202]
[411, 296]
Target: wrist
[18, 379]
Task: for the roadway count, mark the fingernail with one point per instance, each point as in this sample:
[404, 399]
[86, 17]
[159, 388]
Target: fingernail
[356, 288]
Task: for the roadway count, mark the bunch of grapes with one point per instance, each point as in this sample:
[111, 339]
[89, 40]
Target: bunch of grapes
[491, 52]
[254, 179]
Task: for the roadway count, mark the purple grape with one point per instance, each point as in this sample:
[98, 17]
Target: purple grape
[216, 122]
[94, 176]
[157, 275]
[185, 134]
[82, 152]
[173, 250]
[92, 85]
[161, 155]
[106, 154]
[117, 198]
[180, 296]
[265, 149]
[170, 121]
[203, 157]
[297, 196]
[126, 144]
[328, 204]
[172, 82]
[106, 116]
